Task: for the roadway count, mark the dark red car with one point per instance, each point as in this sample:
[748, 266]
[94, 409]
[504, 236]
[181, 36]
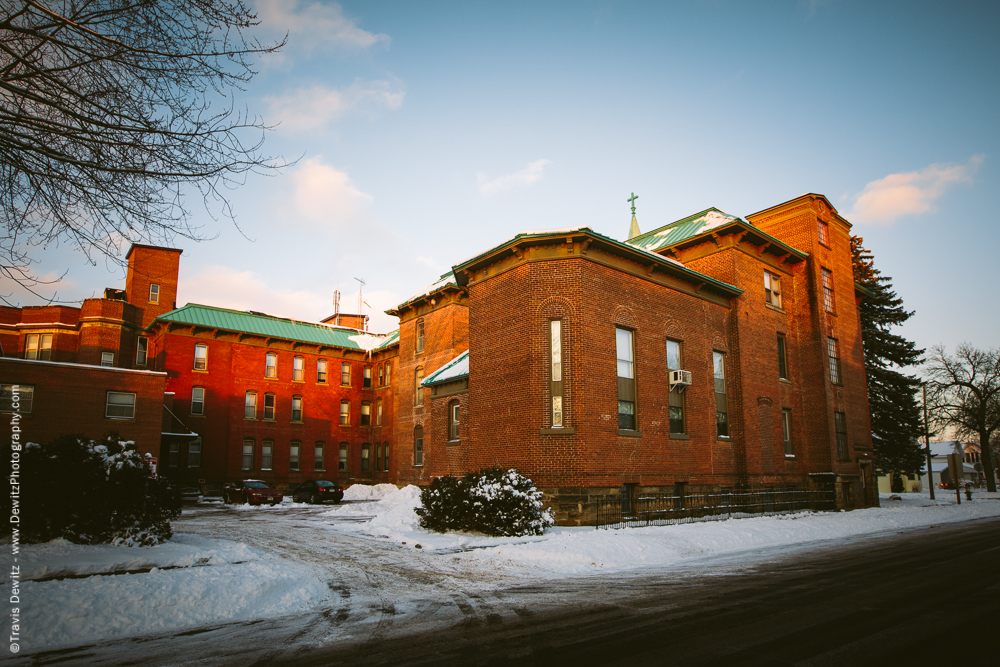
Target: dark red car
[252, 491]
[317, 491]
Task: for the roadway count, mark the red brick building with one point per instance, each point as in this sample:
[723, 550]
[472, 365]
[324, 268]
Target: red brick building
[711, 353]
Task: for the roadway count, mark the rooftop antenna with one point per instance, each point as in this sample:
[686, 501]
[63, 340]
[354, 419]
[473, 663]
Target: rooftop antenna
[361, 284]
[336, 302]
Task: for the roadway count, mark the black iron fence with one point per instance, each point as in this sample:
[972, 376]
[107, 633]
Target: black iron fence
[659, 509]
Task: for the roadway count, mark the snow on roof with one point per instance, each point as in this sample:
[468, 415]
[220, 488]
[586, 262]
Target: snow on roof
[947, 447]
[366, 341]
[455, 369]
[444, 280]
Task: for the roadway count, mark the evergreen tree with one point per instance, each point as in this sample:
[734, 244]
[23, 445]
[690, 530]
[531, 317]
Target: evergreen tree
[895, 414]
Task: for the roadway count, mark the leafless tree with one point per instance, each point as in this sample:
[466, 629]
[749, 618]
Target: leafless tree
[965, 394]
[110, 112]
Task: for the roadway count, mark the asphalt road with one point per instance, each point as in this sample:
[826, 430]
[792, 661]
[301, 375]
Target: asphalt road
[920, 596]
[927, 596]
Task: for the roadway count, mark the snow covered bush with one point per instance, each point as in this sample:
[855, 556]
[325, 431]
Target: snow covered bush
[93, 493]
[493, 501]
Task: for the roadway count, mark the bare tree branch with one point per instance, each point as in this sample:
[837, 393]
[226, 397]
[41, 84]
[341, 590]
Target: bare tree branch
[109, 113]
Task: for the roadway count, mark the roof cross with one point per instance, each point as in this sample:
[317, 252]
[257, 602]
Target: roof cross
[632, 201]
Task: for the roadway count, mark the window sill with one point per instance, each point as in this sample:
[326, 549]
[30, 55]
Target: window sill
[269, 419]
[560, 430]
[199, 370]
[270, 377]
[297, 422]
[197, 416]
[298, 381]
[345, 386]
[785, 380]
[452, 443]
[789, 457]
[249, 419]
[120, 419]
[724, 438]
[680, 436]
[775, 308]
[345, 426]
[630, 434]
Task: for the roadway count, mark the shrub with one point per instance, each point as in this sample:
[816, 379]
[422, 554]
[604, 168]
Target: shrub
[493, 501]
[93, 493]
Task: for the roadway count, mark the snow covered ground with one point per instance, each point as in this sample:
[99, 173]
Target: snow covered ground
[369, 556]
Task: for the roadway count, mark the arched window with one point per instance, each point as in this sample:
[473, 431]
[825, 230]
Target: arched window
[248, 447]
[453, 412]
[200, 357]
[345, 412]
[420, 336]
[321, 371]
[197, 400]
[298, 369]
[418, 446]
[271, 365]
[381, 376]
[366, 375]
[250, 411]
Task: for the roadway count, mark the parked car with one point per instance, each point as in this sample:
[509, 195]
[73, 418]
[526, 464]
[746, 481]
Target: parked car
[318, 491]
[252, 491]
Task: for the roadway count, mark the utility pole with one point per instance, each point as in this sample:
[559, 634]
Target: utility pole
[927, 440]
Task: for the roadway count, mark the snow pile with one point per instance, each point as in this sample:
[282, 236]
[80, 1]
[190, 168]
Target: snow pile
[395, 513]
[215, 581]
[369, 492]
[366, 341]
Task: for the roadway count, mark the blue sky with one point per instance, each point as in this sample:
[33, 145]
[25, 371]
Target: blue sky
[427, 132]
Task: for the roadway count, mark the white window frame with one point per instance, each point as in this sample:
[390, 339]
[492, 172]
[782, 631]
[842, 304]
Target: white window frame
[154, 293]
[319, 455]
[38, 346]
[108, 359]
[772, 289]
[298, 369]
[200, 355]
[249, 445]
[321, 371]
[267, 454]
[269, 410]
[297, 408]
[345, 412]
[119, 405]
[271, 365]
[250, 405]
[295, 455]
[198, 399]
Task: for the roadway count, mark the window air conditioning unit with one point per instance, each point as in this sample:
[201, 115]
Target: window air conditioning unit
[680, 379]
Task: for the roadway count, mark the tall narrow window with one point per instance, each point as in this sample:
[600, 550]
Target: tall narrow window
[271, 365]
[269, 407]
[834, 354]
[626, 379]
[345, 374]
[266, 454]
[420, 336]
[342, 460]
[378, 457]
[378, 412]
[828, 290]
[786, 431]
[366, 457]
[194, 454]
[381, 376]
[345, 413]
[772, 289]
[721, 406]
[319, 462]
[248, 447]
[556, 383]
[782, 359]
[385, 460]
[38, 346]
[120, 405]
[201, 357]
[418, 389]
[418, 446]
[321, 371]
[141, 351]
[840, 425]
[453, 413]
[298, 369]
[294, 455]
[250, 406]
[297, 408]
[388, 372]
[154, 293]
[823, 230]
[197, 400]
[366, 414]
[676, 395]
[107, 358]
[366, 377]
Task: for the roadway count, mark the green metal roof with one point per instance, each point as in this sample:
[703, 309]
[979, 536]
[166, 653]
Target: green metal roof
[456, 369]
[267, 325]
[697, 224]
[391, 338]
[630, 246]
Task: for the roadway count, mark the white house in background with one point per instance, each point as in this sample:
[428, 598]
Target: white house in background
[939, 463]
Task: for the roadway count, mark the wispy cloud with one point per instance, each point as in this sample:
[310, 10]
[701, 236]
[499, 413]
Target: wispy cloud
[226, 287]
[313, 108]
[327, 196]
[910, 193]
[527, 176]
[317, 25]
